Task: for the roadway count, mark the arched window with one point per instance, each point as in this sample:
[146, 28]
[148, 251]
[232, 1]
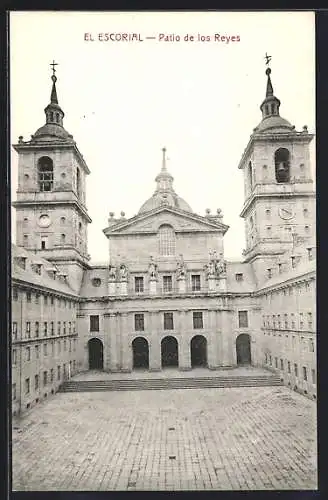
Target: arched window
[57, 117]
[166, 240]
[282, 165]
[78, 183]
[51, 116]
[45, 173]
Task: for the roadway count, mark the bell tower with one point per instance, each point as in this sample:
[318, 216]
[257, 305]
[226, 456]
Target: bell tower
[279, 195]
[51, 213]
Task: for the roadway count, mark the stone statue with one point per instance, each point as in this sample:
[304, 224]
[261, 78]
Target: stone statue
[112, 273]
[123, 272]
[181, 268]
[152, 269]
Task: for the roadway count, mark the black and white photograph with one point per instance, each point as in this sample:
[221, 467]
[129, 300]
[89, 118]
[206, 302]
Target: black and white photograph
[163, 251]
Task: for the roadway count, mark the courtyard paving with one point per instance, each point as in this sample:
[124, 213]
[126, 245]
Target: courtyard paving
[207, 439]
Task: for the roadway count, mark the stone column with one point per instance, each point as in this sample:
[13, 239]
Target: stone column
[155, 362]
[227, 345]
[212, 358]
[114, 341]
[126, 349]
[184, 343]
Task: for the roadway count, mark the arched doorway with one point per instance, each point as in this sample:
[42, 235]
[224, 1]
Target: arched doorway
[140, 351]
[169, 350]
[243, 349]
[198, 350]
[96, 354]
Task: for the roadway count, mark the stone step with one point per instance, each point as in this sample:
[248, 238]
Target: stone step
[178, 383]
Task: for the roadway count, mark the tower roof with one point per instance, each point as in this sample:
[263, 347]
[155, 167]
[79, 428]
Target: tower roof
[53, 129]
[271, 119]
[164, 193]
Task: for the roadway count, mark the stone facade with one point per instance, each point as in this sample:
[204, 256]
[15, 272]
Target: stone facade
[168, 295]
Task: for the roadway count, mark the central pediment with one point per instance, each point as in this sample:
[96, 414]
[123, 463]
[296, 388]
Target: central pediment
[180, 220]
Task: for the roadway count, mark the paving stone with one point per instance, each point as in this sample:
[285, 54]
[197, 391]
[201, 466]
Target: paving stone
[239, 439]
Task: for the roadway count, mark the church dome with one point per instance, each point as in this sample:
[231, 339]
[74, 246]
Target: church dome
[274, 124]
[164, 194]
[51, 131]
[161, 199]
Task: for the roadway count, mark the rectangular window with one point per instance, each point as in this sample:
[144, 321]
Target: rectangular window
[243, 319]
[14, 330]
[52, 348]
[270, 360]
[168, 321]
[28, 354]
[15, 294]
[37, 298]
[293, 259]
[280, 268]
[94, 323]
[138, 284]
[27, 386]
[37, 328]
[45, 349]
[296, 370]
[304, 373]
[44, 242]
[52, 300]
[64, 327]
[313, 376]
[36, 382]
[276, 362]
[301, 321]
[69, 327]
[51, 375]
[52, 328]
[281, 364]
[167, 283]
[197, 320]
[65, 345]
[310, 321]
[37, 352]
[239, 276]
[311, 345]
[269, 273]
[28, 296]
[58, 372]
[14, 392]
[45, 378]
[286, 321]
[14, 361]
[58, 328]
[139, 322]
[45, 329]
[45, 300]
[288, 366]
[70, 346]
[310, 253]
[195, 282]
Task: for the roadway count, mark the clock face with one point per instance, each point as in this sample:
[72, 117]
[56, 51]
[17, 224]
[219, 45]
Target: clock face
[286, 213]
[44, 220]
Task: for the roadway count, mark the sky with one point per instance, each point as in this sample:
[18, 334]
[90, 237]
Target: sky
[126, 100]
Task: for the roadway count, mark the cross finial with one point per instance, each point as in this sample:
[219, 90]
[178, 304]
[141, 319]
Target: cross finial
[267, 58]
[53, 64]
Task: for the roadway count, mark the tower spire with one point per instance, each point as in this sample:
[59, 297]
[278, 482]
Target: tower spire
[270, 105]
[164, 160]
[54, 113]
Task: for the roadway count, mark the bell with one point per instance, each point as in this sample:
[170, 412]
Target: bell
[281, 166]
